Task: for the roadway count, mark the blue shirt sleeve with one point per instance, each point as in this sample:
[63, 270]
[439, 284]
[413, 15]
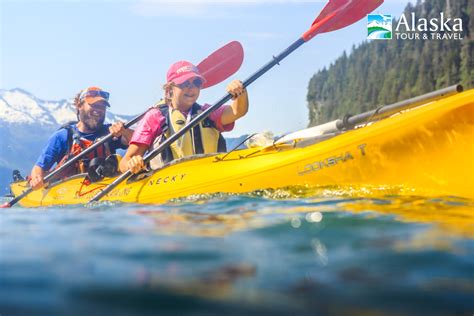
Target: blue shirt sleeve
[54, 151]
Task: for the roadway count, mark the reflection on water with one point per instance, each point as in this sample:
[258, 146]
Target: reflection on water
[450, 217]
[302, 251]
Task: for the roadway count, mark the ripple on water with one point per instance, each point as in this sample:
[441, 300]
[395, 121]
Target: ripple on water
[280, 252]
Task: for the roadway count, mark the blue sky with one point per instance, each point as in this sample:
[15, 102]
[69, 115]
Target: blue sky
[379, 17]
[55, 48]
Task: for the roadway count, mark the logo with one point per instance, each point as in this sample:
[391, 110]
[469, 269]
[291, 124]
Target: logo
[379, 26]
[187, 69]
[439, 27]
[411, 27]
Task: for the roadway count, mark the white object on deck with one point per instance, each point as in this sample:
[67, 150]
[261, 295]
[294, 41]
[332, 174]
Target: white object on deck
[319, 130]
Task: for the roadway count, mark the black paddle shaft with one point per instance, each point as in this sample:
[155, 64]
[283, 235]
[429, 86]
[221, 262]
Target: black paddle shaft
[90, 149]
[71, 161]
[203, 115]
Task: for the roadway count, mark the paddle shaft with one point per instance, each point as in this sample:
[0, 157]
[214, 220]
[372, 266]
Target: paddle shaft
[68, 163]
[203, 115]
[390, 109]
[386, 110]
[349, 121]
[334, 16]
[90, 149]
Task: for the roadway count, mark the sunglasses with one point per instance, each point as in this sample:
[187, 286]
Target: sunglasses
[189, 84]
[95, 93]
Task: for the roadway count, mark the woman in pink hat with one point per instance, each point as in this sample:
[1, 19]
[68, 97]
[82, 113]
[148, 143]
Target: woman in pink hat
[184, 82]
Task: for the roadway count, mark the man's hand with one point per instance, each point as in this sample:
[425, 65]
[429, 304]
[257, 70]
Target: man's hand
[36, 178]
[117, 129]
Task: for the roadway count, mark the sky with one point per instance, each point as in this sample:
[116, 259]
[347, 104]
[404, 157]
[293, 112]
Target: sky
[55, 48]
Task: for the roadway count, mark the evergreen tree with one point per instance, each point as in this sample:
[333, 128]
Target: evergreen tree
[384, 72]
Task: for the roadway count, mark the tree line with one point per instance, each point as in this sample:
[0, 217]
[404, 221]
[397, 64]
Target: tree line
[386, 71]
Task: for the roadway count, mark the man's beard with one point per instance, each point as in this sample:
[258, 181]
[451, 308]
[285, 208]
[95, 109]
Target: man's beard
[91, 122]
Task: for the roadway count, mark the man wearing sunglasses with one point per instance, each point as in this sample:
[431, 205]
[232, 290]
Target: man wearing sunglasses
[73, 137]
[179, 107]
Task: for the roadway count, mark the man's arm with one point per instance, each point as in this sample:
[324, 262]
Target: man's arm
[52, 153]
[133, 158]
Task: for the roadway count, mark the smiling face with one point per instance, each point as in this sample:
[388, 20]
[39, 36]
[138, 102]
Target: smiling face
[92, 116]
[186, 94]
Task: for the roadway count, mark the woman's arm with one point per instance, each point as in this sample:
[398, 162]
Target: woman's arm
[240, 104]
[133, 159]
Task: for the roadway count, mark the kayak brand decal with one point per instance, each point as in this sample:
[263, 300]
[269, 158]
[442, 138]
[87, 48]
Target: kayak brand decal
[330, 161]
[120, 193]
[167, 179]
[91, 193]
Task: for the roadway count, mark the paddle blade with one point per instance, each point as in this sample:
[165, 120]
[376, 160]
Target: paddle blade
[221, 64]
[340, 13]
[5, 205]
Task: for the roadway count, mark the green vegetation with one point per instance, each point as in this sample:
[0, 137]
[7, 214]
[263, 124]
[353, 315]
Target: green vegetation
[383, 72]
[375, 28]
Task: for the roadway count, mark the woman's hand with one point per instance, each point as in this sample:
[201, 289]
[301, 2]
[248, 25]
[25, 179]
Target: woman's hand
[136, 164]
[236, 89]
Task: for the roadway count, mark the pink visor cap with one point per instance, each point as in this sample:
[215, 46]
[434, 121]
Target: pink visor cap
[182, 71]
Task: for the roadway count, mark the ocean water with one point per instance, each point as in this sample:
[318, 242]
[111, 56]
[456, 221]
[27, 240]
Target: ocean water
[265, 253]
[380, 34]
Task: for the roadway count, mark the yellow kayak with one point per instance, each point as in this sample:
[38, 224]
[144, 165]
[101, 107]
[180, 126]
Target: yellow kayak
[426, 150]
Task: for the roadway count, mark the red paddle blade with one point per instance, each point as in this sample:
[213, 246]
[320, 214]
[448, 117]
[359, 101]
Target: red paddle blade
[221, 64]
[340, 13]
[5, 205]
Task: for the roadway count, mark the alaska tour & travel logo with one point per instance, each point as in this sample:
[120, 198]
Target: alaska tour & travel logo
[379, 26]
[441, 27]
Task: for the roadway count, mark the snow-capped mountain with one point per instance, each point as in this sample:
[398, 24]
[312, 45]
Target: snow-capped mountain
[383, 23]
[21, 107]
[26, 122]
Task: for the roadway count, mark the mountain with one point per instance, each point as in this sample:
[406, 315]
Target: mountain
[384, 72]
[26, 122]
[381, 24]
[18, 106]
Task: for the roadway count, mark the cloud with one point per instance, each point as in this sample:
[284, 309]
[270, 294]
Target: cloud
[262, 35]
[164, 8]
[226, 2]
[196, 8]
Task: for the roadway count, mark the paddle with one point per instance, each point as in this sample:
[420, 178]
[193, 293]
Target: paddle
[217, 67]
[350, 121]
[335, 15]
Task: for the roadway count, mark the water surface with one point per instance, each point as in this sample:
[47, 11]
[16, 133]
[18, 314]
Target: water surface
[278, 252]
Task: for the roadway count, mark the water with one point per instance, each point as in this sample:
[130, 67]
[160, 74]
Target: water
[265, 253]
[381, 34]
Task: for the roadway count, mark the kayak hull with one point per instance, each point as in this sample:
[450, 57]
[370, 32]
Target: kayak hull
[425, 151]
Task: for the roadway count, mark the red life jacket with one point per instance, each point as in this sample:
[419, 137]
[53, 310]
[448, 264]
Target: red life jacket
[76, 144]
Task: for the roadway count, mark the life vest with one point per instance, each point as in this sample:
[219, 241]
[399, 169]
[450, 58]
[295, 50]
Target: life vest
[75, 145]
[204, 138]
